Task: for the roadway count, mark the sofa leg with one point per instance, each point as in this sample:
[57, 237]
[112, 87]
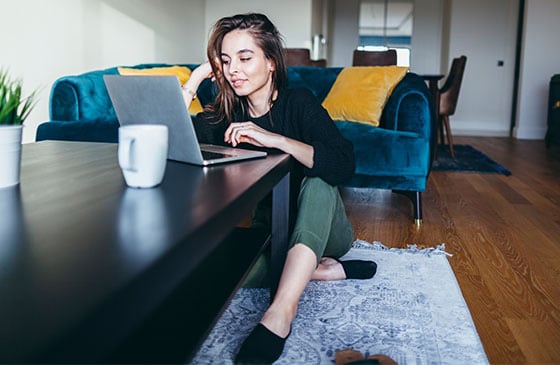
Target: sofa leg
[416, 199]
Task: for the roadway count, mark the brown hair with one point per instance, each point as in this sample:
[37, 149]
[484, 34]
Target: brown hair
[266, 37]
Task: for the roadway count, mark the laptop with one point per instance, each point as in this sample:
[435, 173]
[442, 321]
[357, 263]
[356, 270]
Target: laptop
[159, 100]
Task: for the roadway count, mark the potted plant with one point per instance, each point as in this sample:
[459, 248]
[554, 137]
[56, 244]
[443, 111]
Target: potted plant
[14, 109]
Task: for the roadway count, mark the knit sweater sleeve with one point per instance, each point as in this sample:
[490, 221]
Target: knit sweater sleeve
[333, 157]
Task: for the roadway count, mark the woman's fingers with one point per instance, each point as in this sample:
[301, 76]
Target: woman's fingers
[246, 132]
[233, 133]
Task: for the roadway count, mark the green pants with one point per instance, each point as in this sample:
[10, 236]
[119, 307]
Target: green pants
[321, 224]
[321, 221]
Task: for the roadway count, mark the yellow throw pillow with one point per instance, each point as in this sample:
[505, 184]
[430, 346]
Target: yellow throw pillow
[360, 93]
[183, 73]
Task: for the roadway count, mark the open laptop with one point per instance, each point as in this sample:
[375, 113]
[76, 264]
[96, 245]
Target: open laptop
[159, 100]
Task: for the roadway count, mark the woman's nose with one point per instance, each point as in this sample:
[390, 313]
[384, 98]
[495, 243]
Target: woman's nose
[233, 67]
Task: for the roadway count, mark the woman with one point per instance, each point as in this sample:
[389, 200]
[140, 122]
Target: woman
[255, 107]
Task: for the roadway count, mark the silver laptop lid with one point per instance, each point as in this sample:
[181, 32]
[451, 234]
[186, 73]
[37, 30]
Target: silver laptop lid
[159, 100]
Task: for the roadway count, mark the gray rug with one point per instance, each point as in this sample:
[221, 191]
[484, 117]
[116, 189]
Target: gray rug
[412, 311]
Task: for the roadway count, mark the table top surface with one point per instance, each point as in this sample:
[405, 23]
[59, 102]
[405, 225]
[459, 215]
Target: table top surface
[74, 238]
[432, 76]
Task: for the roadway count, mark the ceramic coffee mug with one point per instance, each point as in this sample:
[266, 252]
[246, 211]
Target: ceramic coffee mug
[143, 154]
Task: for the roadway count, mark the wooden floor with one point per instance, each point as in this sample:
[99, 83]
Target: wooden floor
[504, 234]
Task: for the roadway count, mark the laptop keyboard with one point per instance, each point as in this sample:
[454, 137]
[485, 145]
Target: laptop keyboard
[207, 155]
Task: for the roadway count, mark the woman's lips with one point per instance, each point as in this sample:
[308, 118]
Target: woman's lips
[237, 83]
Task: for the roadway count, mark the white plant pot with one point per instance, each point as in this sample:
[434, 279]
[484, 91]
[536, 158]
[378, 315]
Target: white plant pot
[10, 154]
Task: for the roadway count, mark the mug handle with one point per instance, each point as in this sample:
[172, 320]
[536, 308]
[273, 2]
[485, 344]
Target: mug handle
[126, 155]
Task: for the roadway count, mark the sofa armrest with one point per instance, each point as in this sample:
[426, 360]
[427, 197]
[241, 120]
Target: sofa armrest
[83, 97]
[410, 108]
[77, 131]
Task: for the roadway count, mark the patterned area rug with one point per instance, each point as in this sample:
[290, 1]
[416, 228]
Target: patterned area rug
[467, 159]
[412, 310]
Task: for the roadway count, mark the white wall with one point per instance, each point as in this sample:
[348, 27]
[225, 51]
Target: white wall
[425, 57]
[343, 37]
[540, 60]
[485, 99]
[44, 40]
[291, 17]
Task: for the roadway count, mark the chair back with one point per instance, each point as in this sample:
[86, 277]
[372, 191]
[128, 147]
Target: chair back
[298, 57]
[301, 57]
[449, 92]
[374, 58]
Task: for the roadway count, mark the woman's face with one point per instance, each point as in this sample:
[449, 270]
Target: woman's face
[245, 67]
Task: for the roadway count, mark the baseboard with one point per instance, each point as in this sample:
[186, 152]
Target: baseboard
[479, 128]
[480, 132]
[529, 133]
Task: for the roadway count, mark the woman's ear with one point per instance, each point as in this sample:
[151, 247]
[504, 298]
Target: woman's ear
[271, 66]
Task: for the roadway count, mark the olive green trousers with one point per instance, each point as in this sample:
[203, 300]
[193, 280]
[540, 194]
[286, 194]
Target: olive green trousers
[321, 224]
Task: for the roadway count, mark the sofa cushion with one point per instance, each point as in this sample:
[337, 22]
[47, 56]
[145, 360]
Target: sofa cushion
[182, 72]
[387, 153]
[359, 93]
[317, 79]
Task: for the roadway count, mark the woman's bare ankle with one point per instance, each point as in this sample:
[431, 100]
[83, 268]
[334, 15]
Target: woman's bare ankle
[329, 269]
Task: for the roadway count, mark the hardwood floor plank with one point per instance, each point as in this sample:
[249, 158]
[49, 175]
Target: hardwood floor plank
[504, 234]
[538, 340]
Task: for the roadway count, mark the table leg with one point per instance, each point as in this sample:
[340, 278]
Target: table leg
[434, 89]
[280, 230]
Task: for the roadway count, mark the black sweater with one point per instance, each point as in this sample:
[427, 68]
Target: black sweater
[296, 114]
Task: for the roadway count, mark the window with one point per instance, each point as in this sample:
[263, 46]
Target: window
[387, 24]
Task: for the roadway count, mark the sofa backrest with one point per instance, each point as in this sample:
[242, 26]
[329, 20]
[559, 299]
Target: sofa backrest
[317, 79]
[85, 98]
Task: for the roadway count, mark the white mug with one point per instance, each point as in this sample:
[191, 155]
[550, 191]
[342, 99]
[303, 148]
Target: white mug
[143, 154]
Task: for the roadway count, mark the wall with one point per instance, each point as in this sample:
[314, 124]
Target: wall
[291, 17]
[427, 37]
[485, 99]
[60, 37]
[343, 36]
[540, 60]
[43, 40]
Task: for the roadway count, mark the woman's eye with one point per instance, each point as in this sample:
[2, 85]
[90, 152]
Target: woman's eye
[245, 59]
[225, 62]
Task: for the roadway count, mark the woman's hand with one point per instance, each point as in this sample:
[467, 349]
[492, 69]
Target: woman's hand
[199, 74]
[249, 132]
[202, 72]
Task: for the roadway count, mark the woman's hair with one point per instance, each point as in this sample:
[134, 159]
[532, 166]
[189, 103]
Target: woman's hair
[267, 37]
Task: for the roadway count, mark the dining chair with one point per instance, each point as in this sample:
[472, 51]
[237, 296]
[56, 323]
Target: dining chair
[448, 97]
[374, 58]
[302, 57]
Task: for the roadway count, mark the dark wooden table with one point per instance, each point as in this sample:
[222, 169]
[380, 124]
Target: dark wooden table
[432, 81]
[92, 271]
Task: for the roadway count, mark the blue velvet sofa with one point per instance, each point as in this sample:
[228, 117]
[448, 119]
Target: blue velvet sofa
[395, 156]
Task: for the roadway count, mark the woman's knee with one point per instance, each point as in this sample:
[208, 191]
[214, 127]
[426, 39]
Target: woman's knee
[314, 187]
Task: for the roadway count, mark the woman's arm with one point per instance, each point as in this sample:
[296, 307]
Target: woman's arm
[248, 132]
[199, 74]
[333, 154]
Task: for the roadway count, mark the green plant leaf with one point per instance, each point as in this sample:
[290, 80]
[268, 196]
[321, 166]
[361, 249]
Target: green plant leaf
[14, 107]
